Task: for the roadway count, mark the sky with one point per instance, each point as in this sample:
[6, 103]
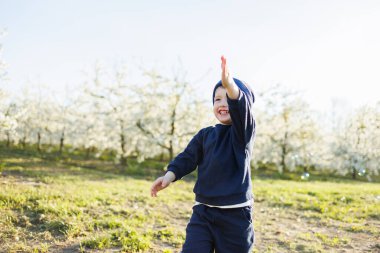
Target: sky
[328, 49]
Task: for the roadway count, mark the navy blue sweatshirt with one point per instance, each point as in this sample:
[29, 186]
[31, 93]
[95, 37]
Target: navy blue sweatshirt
[222, 154]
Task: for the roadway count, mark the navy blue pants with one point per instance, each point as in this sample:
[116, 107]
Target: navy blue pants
[222, 230]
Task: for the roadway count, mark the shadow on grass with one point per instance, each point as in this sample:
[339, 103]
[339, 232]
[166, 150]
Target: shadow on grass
[317, 176]
[54, 163]
[24, 167]
[29, 163]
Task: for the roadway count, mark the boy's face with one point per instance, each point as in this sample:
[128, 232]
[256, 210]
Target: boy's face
[221, 111]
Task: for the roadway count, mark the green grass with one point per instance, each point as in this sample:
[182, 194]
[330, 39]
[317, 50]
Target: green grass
[353, 202]
[96, 209]
[92, 206]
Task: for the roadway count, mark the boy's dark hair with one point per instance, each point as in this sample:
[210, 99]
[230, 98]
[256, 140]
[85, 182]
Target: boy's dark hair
[242, 86]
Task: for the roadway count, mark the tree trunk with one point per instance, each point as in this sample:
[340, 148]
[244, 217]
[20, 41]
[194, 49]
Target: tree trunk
[162, 156]
[39, 142]
[172, 129]
[23, 142]
[8, 140]
[88, 150]
[61, 142]
[284, 153]
[171, 151]
[123, 159]
[283, 164]
[357, 144]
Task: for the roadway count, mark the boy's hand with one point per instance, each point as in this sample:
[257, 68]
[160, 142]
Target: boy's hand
[226, 77]
[161, 183]
[225, 72]
[227, 81]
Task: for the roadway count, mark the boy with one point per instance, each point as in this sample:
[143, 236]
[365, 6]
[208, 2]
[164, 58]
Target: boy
[221, 218]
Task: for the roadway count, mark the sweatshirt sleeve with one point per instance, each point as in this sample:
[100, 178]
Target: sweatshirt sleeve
[241, 113]
[187, 161]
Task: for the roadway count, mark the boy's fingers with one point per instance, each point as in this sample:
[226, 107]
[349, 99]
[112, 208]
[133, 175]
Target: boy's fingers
[225, 72]
[157, 182]
[153, 193]
[224, 61]
[158, 185]
[155, 187]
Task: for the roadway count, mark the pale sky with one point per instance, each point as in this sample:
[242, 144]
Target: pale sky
[330, 49]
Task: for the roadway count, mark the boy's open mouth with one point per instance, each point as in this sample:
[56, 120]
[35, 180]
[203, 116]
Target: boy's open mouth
[223, 112]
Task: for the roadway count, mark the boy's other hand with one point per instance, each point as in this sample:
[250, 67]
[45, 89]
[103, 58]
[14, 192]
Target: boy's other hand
[161, 183]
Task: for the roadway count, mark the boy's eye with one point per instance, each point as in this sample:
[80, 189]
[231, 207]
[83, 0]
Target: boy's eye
[217, 99]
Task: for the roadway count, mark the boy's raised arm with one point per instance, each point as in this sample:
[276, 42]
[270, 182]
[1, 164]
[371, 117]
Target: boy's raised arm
[240, 101]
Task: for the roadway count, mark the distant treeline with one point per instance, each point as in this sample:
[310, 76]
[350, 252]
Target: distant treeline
[158, 118]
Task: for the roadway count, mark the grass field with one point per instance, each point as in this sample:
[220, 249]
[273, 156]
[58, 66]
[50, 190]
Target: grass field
[93, 206]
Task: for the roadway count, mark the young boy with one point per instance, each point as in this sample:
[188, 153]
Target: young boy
[221, 218]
